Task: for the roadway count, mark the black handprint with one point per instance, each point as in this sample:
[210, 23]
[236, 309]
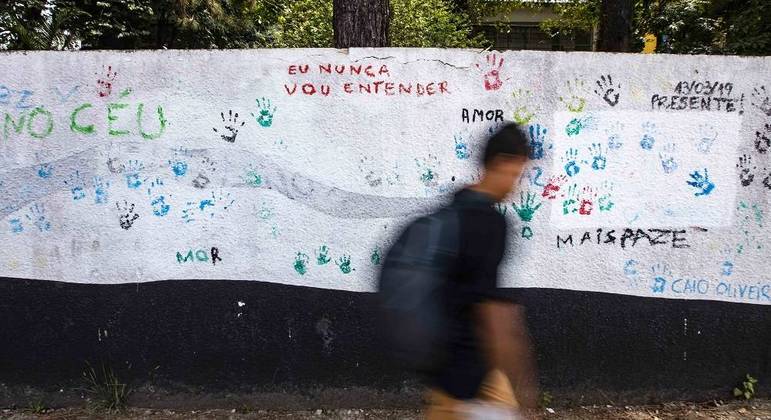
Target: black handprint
[761, 100]
[127, 217]
[746, 175]
[231, 125]
[763, 139]
[609, 92]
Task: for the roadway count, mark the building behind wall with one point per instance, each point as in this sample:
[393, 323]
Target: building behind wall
[521, 30]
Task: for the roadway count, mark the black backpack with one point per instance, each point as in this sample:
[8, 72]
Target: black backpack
[412, 293]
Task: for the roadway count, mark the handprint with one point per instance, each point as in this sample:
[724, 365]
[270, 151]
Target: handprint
[322, 255]
[761, 100]
[76, 186]
[523, 113]
[708, 135]
[569, 205]
[614, 136]
[461, 148]
[157, 200]
[648, 139]
[492, 72]
[537, 135]
[344, 263]
[746, 170]
[428, 175]
[252, 177]
[100, 190]
[588, 197]
[127, 215]
[767, 179]
[178, 164]
[609, 92]
[265, 114]
[104, 85]
[661, 276]
[527, 206]
[45, 170]
[301, 263]
[375, 258]
[667, 157]
[763, 139]
[574, 100]
[571, 162]
[37, 215]
[134, 174]
[702, 183]
[231, 126]
[605, 201]
[599, 157]
[205, 173]
[553, 186]
[16, 225]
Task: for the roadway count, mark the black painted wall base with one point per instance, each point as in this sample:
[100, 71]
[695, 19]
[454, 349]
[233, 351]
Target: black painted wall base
[227, 335]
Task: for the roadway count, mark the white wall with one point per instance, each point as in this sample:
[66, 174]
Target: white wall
[113, 178]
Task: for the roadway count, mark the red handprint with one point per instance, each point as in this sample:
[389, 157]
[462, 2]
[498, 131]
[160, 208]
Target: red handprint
[104, 85]
[587, 201]
[492, 72]
[553, 186]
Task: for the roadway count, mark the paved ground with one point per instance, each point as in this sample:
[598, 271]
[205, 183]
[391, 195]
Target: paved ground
[760, 410]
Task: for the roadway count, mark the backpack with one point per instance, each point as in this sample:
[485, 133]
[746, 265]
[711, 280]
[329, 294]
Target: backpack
[411, 290]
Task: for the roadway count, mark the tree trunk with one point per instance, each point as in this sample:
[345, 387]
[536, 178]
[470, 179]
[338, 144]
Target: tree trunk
[361, 23]
[616, 25]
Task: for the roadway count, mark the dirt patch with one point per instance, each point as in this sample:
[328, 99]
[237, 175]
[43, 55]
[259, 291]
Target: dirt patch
[759, 410]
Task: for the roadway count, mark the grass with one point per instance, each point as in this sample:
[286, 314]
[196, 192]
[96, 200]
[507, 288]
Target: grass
[104, 389]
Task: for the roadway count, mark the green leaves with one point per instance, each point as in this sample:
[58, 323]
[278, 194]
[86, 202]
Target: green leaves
[747, 391]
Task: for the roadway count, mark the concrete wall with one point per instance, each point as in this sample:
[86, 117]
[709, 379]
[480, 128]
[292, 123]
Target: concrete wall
[650, 178]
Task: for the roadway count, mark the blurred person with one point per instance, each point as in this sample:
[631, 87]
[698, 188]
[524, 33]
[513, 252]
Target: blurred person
[444, 314]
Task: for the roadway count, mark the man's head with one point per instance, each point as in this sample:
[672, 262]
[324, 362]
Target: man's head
[504, 158]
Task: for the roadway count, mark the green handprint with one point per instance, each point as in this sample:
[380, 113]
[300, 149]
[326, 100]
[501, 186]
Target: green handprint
[569, 205]
[265, 117]
[522, 114]
[375, 258]
[573, 99]
[527, 207]
[301, 263]
[322, 257]
[344, 263]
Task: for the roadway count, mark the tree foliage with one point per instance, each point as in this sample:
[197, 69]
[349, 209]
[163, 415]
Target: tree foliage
[683, 26]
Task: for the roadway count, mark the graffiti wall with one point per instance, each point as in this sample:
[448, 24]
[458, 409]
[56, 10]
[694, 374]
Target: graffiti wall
[650, 175]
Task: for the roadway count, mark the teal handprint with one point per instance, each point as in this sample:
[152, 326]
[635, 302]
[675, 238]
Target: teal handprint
[322, 255]
[375, 257]
[265, 114]
[301, 263]
[344, 263]
[527, 207]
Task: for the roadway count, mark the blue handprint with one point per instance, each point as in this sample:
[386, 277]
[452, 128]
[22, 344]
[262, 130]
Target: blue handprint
[37, 215]
[702, 183]
[537, 141]
[667, 157]
[571, 162]
[648, 138]
[461, 148]
[178, 167]
[75, 184]
[100, 190]
[45, 170]
[16, 226]
[158, 201]
[661, 274]
[133, 174]
[599, 158]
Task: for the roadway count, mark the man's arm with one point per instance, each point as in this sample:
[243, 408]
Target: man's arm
[506, 342]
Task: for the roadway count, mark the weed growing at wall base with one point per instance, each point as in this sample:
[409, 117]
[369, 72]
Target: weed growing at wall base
[105, 392]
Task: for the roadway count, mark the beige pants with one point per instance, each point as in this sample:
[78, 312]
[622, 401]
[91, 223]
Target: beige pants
[495, 393]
